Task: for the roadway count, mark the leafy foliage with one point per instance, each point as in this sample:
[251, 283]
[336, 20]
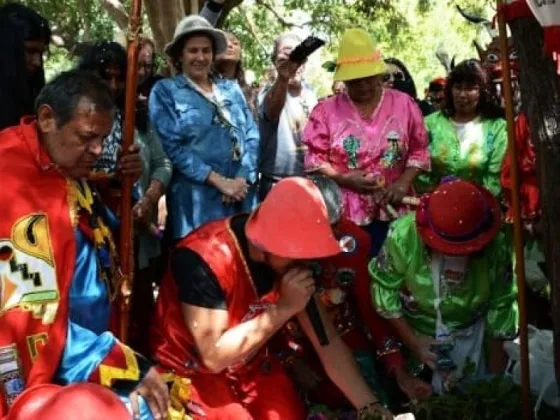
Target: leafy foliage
[410, 30]
[73, 21]
[495, 399]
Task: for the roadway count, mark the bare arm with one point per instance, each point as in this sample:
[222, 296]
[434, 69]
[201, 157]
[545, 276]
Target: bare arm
[220, 347]
[339, 362]
[417, 344]
[275, 99]
[404, 331]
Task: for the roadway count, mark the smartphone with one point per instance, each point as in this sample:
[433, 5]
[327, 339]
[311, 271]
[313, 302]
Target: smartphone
[306, 48]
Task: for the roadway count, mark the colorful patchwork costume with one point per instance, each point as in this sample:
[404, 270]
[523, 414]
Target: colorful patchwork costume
[58, 274]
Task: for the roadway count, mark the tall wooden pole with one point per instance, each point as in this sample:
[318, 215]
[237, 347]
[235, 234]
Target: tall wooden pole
[517, 222]
[126, 248]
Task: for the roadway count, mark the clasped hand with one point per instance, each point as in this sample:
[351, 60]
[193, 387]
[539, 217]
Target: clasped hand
[233, 190]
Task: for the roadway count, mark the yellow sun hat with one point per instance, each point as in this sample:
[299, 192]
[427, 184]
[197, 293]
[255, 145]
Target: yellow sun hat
[358, 57]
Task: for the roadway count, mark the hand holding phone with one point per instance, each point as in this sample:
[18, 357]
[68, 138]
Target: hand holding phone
[300, 53]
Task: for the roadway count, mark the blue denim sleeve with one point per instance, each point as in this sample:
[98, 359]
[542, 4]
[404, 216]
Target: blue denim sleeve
[167, 126]
[250, 158]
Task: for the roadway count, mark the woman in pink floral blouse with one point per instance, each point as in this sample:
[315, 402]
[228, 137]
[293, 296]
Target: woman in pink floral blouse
[370, 140]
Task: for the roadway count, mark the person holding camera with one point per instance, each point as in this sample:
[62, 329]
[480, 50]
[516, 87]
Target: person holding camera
[284, 107]
[233, 283]
[343, 285]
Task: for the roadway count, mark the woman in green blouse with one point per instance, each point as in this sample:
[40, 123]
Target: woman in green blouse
[443, 277]
[467, 138]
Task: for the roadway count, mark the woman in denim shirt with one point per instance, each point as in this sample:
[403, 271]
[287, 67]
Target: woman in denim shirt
[207, 130]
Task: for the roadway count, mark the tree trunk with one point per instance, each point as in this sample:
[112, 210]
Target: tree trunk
[163, 15]
[117, 12]
[540, 94]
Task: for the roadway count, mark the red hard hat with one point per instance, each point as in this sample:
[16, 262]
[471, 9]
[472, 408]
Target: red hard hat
[292, 222]
[31, 402]
[83, 401]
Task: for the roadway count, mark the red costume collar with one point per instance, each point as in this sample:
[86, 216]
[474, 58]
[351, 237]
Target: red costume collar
[30, 136]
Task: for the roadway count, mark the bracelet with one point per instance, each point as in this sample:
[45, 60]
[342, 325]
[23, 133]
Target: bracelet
[362, 410]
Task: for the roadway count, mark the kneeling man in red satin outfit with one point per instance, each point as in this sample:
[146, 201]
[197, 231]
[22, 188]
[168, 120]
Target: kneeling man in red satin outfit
[232, 285]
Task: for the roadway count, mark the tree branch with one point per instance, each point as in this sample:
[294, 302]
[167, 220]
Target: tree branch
[251, 27]
[228, 7]
[82, 12]
[282, 20]
[117, 12]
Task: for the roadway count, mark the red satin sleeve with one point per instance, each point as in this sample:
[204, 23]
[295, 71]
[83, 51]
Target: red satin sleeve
[529, 189]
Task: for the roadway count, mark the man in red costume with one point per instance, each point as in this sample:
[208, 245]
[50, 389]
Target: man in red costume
[57, 256]
[343, 282]
[233, 284]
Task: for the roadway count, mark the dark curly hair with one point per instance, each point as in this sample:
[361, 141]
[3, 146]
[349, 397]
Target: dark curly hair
[472, 72]
[100, 56]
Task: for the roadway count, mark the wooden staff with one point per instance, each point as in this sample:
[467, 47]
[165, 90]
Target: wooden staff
[126, 235]
[517, 222]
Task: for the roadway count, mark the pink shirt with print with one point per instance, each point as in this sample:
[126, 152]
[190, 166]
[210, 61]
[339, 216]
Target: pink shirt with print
[393, 139]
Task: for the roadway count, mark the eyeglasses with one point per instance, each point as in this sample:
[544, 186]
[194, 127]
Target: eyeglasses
[398, 75]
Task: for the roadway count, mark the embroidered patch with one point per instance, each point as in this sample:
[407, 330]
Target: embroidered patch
[112, 367]
[35, 343]
[453, 280]
[393, 153]
[453, 274]
[352, 144]
[27, 271]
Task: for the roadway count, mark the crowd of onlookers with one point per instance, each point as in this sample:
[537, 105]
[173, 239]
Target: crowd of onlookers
[213, 146]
